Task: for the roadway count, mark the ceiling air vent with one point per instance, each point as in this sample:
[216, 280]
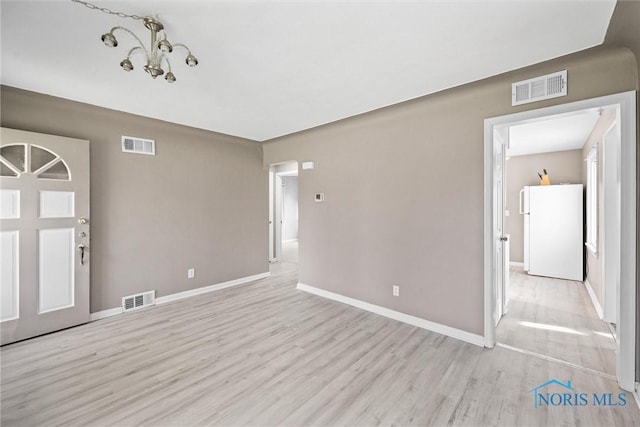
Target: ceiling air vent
[539, 88]
[133, 302]
[131, 144]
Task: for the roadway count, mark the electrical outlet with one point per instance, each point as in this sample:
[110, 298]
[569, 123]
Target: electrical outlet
[191, 273]
[396, 290]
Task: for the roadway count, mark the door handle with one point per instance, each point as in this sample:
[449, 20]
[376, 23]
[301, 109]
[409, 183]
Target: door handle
[81, 248]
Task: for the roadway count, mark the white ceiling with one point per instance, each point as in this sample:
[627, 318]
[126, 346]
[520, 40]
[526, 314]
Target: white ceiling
[271, 68]
[554, 133]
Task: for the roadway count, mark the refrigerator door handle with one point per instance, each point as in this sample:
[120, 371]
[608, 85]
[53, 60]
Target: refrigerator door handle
[520, 201]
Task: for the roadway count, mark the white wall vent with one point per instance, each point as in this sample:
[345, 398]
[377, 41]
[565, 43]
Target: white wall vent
[544, 87]
[131, 144]
[133, 302]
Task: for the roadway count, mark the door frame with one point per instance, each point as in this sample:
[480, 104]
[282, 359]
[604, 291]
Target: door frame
[626, 327]
[272, 250]
[275, 200]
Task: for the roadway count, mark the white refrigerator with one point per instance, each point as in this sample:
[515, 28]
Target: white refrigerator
[553, 230]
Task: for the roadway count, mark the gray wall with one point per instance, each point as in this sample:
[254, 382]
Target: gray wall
[595, 268]
[404, 191]
[289, 208]
[200, 202]
[563, 167]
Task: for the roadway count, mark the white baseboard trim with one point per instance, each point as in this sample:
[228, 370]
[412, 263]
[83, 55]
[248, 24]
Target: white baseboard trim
[105, 313]
[396, 315]
[186, 294]
[594, 299]
[193, 292]
[516, 264]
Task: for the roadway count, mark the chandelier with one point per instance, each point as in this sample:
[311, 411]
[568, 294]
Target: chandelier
[155, 55]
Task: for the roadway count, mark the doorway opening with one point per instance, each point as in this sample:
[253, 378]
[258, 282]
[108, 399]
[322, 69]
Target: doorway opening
[283, 216]
[607, 247]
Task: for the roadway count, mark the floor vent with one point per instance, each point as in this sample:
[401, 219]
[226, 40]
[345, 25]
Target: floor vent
[131, 144]
[539, 88]
[133, 302]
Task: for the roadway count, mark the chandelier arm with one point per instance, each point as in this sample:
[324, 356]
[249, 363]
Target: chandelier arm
[133, 49]
[182, 46]
[132, 34]
[191, 60]
[166, 60]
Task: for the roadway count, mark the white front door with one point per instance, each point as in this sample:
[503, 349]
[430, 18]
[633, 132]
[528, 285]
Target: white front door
[44, 252]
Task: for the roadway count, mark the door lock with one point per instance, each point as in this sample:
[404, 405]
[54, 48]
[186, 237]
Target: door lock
[504, 239]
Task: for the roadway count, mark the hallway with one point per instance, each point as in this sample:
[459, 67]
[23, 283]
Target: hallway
[556, 318]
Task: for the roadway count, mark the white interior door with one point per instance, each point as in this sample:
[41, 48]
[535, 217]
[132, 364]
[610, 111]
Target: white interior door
[611, 220]
[498, 224]
[44, 258]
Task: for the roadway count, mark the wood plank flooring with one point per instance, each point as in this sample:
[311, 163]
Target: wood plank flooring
[556, 318]
[265, 353]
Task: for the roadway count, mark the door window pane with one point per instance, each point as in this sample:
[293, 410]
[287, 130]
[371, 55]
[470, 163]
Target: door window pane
[14, 154]
[6, 171]
[40, 157]
[57, 171]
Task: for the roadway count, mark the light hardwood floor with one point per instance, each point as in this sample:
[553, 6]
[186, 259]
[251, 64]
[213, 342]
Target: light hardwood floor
[556, 318]
[265, 353]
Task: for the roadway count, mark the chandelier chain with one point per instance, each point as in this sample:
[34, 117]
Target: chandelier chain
[109, 11]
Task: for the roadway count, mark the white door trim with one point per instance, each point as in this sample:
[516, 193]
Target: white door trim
[272, 254]
[626, 328]
[278, 217]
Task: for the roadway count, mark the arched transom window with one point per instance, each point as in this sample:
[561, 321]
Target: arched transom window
[19, 159]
